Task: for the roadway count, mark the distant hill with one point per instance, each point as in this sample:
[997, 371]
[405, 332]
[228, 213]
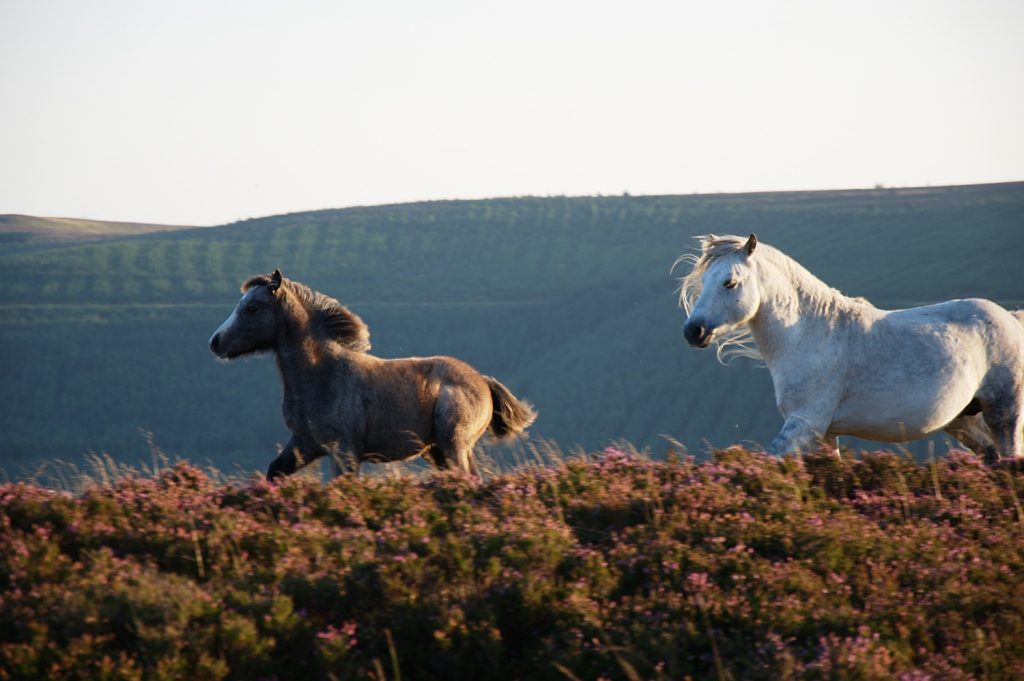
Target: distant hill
[77, 227]
[568, 300]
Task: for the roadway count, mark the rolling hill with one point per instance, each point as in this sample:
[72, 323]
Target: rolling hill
[77, 228]
[569, 301]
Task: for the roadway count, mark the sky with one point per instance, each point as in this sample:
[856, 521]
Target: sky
[206, 112]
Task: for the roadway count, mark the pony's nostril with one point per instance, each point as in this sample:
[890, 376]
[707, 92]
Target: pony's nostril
[694, 333]
[214, 341]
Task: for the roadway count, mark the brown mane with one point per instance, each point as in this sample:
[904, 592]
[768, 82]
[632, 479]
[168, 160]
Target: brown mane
[335, 320]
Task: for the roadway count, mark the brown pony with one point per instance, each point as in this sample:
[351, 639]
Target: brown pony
[342, 402]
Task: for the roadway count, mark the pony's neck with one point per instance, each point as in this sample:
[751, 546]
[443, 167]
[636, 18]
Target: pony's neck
[795, 309]
[298, 347]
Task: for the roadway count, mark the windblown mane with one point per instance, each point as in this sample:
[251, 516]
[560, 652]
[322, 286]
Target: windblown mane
[737, 342]
[335, 320]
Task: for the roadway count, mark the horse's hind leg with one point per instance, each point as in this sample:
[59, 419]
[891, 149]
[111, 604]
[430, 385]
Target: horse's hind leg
[1005, 419]
[970, 431]
[455, 442]
[459, 421]
[436, 456]
[344, 462]
[448, 456]
[465, 460]
[453, 455]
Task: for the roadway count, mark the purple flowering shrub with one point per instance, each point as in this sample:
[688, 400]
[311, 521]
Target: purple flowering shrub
[608, 566]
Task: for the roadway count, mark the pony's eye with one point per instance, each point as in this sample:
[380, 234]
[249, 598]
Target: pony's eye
[732, 283]
[252, 309]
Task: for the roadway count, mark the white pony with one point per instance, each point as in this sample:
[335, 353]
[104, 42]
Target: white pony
[841, 366]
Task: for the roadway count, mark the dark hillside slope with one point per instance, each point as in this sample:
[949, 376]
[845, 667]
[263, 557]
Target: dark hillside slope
[568, 300]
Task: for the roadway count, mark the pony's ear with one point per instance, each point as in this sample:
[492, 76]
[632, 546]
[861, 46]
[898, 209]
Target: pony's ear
[751, 244]
[275, 281]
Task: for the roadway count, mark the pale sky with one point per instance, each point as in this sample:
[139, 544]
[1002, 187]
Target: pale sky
[205, 112]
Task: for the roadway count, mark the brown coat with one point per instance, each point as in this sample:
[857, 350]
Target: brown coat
[341, 401]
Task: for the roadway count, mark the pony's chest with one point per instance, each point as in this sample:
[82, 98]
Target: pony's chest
[806, 382]
[317, 418]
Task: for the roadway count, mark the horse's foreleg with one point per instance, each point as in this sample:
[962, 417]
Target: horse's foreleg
[797, 434]
[292, 458]
[830, 444]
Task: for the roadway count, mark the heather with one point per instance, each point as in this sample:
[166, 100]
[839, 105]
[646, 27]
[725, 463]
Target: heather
[610, 565]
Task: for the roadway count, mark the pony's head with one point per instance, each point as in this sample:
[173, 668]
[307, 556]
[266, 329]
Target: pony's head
[270, 302]
[720, 293]
[252, 326]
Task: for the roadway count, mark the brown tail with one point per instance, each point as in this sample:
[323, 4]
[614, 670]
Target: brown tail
[511, 416]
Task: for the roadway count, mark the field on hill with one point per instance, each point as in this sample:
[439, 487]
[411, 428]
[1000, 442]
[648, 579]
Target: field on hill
[29, 231]
[607, 566]
[568, 301]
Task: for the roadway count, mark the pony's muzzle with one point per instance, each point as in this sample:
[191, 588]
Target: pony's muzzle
[215, 344]
[696, 334]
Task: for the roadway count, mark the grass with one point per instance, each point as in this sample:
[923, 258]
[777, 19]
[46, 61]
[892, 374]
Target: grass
[601, 565]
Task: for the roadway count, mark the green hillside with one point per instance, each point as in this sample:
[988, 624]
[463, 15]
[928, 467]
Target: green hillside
[569, 301]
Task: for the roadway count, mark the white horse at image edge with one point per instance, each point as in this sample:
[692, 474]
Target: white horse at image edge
[841, 366]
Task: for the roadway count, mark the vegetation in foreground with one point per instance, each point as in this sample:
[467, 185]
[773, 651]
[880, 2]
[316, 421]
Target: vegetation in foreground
[604, 566]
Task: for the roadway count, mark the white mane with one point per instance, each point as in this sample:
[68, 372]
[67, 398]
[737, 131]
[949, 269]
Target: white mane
[739, 342]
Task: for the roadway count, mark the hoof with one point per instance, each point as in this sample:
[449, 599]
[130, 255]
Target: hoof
[1014, 464]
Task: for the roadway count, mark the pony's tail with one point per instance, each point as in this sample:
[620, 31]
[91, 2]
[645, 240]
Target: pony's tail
[511, 415]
